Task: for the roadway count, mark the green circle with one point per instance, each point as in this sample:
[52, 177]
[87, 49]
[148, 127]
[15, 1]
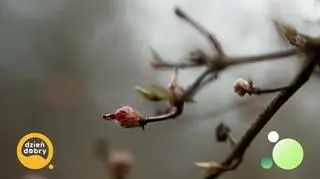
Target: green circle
[266, 163]
[287, 154]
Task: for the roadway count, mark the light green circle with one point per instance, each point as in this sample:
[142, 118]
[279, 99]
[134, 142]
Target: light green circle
[287, 154]
[266, 163]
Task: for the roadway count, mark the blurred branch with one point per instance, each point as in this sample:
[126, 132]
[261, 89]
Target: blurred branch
[101, 150]
[228, 62]
[316, 73]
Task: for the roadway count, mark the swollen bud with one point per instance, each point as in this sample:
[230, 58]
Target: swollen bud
[222, 132]
[291, 35]
[242, 86]
[126, 117]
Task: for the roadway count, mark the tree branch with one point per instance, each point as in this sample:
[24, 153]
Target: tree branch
[177, 111]
[179, 104]
[213, 65]
[228, 61]
[266, 115]
[259, 91]
[212, 39]
[264, 57]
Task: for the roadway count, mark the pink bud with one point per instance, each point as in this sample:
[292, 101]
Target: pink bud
[126, 117]
[242, 86]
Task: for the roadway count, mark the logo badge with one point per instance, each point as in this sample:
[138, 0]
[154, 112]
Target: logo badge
[287, 153]
[35, 151]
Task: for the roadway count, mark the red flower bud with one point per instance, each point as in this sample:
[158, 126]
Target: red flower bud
[126, 117]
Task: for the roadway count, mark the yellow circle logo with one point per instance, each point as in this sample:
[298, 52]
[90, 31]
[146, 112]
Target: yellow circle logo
[35, 151]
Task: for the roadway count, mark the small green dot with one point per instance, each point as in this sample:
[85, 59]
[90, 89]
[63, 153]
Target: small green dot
[266, 163]
[287, 154]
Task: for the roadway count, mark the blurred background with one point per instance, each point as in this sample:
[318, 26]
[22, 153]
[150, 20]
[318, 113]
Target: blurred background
[64, 63]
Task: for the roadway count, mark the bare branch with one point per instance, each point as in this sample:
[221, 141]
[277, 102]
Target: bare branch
[201, 81]
[264, 57]
[212, 39]
[266, 115]
[259, 91]
[170, 65]
[127, 117]
[197, 59]
[230, 61]
[213, 67]
[192, 89]
[177, 111]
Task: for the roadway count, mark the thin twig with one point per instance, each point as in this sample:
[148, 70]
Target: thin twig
[212, 39]
[266, 115]
[259, 91]
[231, 61]
[258, 58]
[177, 111]
[169, 65]
[179, 105]
[190, 92]
[232, 140]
